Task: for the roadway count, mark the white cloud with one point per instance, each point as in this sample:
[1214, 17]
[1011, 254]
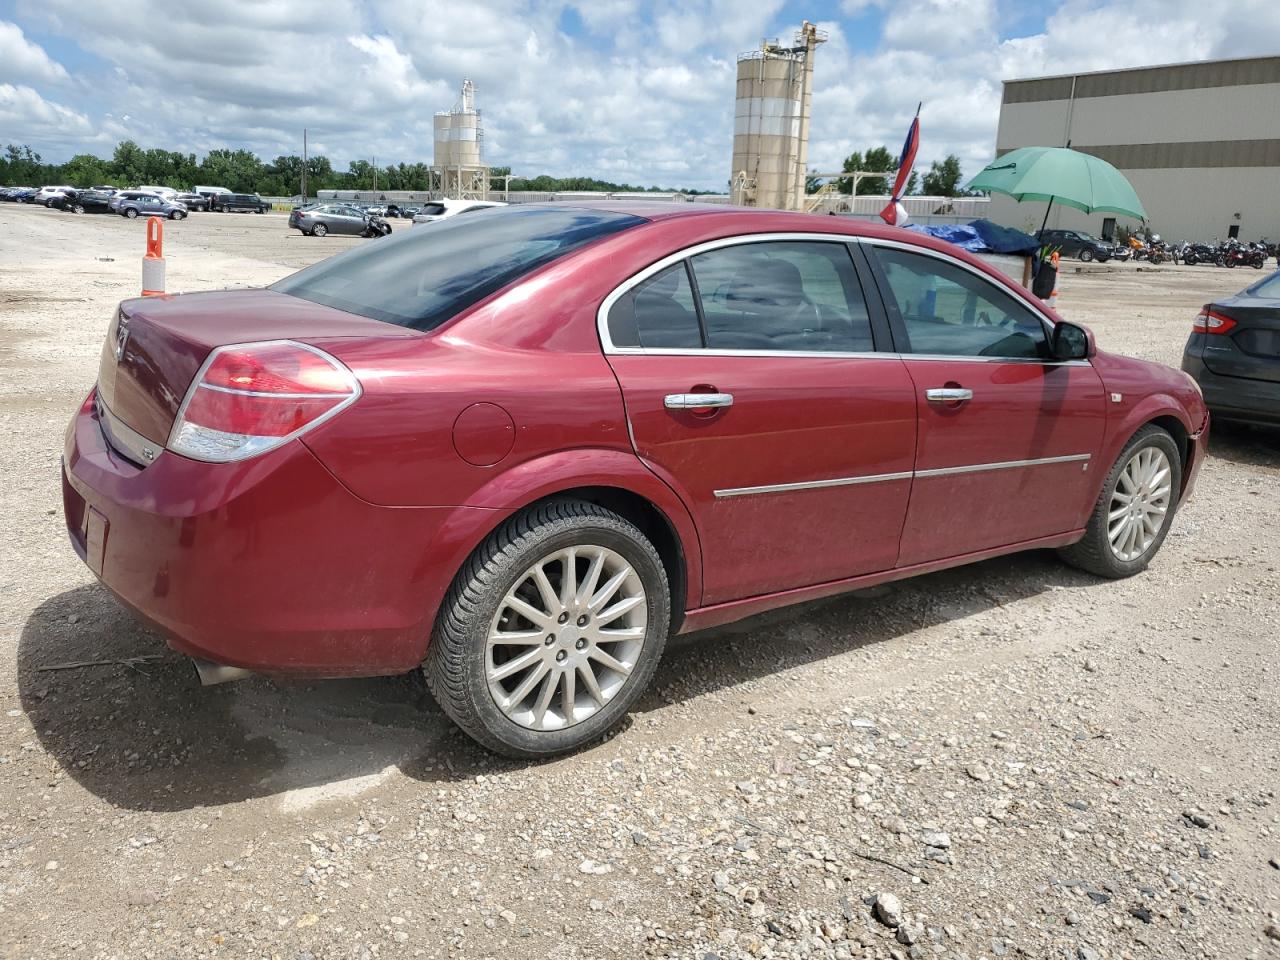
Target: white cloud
[642, 93]
[27, 117]
[21, 59]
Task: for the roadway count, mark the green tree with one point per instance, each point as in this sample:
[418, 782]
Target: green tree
[878, 160]
[86, 170]
[943, 178]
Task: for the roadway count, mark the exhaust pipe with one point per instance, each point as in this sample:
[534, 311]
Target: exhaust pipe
[213, 673]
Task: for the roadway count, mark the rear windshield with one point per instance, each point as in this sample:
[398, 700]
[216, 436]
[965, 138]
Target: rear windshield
[421, 277]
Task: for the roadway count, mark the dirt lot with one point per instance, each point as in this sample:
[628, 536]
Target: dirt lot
[1035, 763]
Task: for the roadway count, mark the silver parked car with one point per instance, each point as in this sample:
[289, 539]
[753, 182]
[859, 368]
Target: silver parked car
[139, 203]
[327, 218]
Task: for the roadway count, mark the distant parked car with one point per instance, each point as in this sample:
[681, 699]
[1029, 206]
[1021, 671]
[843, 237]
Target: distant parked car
[1234, 354]
[22, 195]
[443, 209]
[192, 201]
[323, 219]
[45, 194]
[95, 200]
[1076, 243]
[230, 202]
[68, 200]
[136, 203]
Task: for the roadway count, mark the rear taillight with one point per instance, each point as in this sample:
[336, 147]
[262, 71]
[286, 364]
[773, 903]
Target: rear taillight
[1210, 322]
[252, 397]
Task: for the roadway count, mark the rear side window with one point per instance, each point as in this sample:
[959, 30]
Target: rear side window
[657, 313]
[421, 278]
[782, 295]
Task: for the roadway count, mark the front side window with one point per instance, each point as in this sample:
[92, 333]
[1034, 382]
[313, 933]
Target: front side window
[950, 311]
[657, 313]
[782, 295]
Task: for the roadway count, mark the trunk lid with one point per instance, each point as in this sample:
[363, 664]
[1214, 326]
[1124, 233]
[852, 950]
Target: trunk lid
[155, 346]
[1251, 349]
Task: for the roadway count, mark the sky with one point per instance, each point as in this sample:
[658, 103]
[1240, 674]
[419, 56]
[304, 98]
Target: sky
[637, 91]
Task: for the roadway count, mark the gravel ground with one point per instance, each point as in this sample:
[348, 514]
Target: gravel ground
[1009, 759]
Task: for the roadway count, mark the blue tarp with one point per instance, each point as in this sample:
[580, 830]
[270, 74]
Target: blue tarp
[982, 236]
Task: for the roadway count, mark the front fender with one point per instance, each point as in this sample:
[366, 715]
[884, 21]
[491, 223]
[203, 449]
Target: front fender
[1125, 423]
[512, 490]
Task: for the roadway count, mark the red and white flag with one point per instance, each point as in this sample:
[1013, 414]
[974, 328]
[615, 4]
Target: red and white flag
[895, 214]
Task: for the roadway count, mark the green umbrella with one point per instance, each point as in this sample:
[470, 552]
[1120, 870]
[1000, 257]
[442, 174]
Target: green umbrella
[1060, 175]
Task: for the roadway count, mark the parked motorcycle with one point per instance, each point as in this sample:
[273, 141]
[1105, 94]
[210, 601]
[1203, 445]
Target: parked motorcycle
[1238, 254]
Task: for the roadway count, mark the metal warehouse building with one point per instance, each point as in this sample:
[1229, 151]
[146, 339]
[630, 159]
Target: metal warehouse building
[1200, 142]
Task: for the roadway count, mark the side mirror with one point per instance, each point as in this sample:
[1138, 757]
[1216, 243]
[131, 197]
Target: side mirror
[1070, 342]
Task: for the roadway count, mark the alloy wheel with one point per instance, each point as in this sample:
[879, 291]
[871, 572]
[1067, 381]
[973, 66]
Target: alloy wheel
[1139, 503]
[566, 637]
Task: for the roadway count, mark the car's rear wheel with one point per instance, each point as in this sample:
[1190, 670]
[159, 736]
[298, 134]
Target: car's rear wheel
[551, 631]
[319, 230]
[1086, 254]
[1134, 510]
[131, 213]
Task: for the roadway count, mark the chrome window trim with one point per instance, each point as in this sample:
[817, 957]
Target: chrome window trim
[903, 475]
[602, 314]
[606, 342]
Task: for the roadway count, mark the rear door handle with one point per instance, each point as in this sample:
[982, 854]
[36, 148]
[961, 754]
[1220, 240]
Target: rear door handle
[697, 401]
[948, 394]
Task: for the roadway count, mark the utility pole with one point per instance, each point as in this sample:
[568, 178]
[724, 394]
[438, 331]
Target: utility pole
[375, 173]
[304, 165]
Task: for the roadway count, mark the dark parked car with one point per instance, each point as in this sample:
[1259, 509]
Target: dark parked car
[96, 200]
[139, 203]
[1075, 243]
[521, 448]
[17, 194]
[1234, 354]
[192, 201]
[326, 218]
[230, 202]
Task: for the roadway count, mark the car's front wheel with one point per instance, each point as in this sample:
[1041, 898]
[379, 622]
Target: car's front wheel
[1135, 509]
[551, 631]
[1086, 255]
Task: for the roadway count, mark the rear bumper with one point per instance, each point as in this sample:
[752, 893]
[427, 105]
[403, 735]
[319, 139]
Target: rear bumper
[1235, 398]
[271, 565]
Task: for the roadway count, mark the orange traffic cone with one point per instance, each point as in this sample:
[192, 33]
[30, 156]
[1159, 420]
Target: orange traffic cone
[153, 262]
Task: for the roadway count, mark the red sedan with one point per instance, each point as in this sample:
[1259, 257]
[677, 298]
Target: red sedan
[523, 447]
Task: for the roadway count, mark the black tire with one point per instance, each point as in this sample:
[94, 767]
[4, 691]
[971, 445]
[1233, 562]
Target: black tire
[77, 209]
[455, 663]
[175, 214]
[131, 213]
[319, 230]
[1190, 260]
[1093, 552]
[1086, 255]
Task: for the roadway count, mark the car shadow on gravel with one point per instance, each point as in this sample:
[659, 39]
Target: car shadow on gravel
[1247, 444]
[144, 735]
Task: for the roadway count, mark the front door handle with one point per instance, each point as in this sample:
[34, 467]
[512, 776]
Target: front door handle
[697, 401]
[948, 394]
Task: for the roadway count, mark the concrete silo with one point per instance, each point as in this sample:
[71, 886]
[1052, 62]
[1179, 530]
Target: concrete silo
[771, 122]
[458, 168]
